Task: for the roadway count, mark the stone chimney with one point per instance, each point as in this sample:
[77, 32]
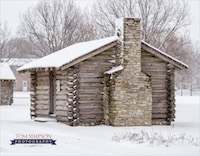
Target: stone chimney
[130, 94]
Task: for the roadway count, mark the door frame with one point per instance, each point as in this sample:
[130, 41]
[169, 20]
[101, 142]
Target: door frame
[52, 93]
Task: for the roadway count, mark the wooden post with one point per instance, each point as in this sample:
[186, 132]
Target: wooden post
[106, 98]
[69, 99]
[181, 88]
[171, 93]
[10, 98]
[190, 89]
[75, 96]
[33, 94]
[73, 85]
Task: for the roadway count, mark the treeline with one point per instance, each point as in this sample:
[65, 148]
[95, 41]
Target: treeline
[52, 25]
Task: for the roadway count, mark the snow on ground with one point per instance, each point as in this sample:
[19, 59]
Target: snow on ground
[93, 140]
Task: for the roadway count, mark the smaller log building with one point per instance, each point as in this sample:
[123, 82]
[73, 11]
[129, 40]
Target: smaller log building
[23, 81]
[118, 81]
[6, 84]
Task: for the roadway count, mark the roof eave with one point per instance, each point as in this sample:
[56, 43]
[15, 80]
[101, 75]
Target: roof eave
[178, 64]
[8, 79]
[37, 69]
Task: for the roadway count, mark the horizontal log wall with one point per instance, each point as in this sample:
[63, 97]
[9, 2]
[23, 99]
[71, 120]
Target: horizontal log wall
[61, 96]
[6, 92]
[40, 93]
[157, 69]
[91, 87]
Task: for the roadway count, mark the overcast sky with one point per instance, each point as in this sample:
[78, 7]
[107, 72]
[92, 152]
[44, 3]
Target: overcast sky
[11, 9]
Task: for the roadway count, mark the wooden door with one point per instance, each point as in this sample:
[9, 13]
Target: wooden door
[52, 92]
[25, 85]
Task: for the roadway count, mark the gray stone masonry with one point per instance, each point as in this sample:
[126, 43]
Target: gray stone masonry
[128, 95]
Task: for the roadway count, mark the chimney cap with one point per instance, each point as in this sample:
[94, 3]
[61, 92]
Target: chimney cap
[128, 18]
[134, 18]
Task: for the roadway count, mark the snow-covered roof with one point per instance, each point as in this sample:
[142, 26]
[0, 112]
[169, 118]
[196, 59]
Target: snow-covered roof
[79, 50]
[5, 72]
[165, 54]
[18, 61]
[66, 55]
[114, 69]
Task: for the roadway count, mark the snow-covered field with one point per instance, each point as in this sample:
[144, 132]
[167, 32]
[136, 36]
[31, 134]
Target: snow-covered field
[95, 140]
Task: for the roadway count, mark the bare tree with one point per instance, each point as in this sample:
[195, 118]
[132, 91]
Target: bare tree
[161, 24]
[196, 73]
[5, 41]
[52, 25]
[21, 48]
[160, 18]
[190, 54]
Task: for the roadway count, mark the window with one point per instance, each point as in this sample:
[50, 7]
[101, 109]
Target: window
[58, 86]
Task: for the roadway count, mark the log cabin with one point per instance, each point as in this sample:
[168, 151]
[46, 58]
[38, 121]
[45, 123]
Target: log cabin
[6, 84]
[119, 81]
[22, 82]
